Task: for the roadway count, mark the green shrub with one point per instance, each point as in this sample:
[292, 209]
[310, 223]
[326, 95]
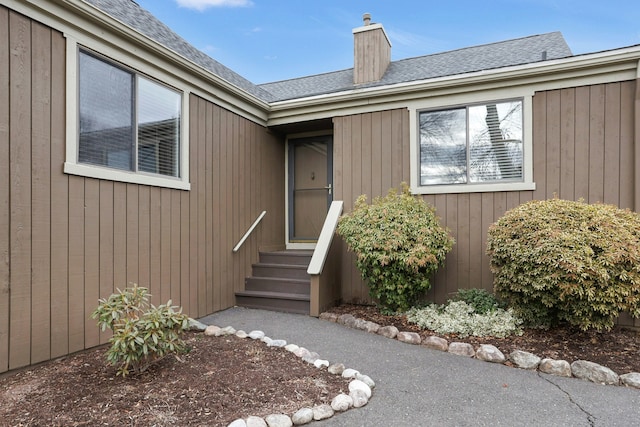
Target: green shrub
[399, 243]
[481, 300]
[563, 261]
[458, 317]
[142, 333]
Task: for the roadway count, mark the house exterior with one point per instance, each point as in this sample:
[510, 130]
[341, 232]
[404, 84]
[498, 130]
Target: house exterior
[127, 156]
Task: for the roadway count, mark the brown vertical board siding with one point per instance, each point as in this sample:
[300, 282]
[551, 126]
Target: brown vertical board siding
[208, 212]
[235, 208]
[176, 244]
[612, 159]
[155, 232]
[120, 280]
[476, 241]
[165, 245]
[59, 203]
[41, 193]
[4, 190]
[626, 144]
[552, 161]
[201, 206]
[227, 243]
[133, 247]
[356, 182]
[144, 236]
[567, 143]
[596, 144]
[185, 273]
[91, 259]
[20, 191]
[76, 263]
[106, 245]
[193, 207]
[582, 127]
[539, 144]
[386, 146]
[486, 220]
[216, 191]
[376, 155]
[464, 241]
[365, 157]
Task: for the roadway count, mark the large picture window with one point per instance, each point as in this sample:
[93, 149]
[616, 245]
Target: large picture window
[127, 121]
[474, 144]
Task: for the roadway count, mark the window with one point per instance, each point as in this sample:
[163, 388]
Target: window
[470, 145]
[126, 121]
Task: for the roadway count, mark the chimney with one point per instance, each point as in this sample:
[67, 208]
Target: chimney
[372, 52]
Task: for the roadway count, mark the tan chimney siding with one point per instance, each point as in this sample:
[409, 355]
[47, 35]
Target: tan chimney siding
[372, 53]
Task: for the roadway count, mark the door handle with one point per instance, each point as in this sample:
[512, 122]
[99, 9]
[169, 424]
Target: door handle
[329, 187]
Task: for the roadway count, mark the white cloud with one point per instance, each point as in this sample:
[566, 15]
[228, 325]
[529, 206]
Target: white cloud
[201, 5]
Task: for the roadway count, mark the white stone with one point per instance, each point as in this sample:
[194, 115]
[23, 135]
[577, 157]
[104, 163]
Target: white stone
[254, 421]
[461, 349]
[331, 317]
[266, 340]
[409, 337]
[371, 327]
[227, 330]
[241, 334]
[278, 420]
[560, 368]
[341, 402]
[336, 369]
[524, 359]
[322, 412]
[344, 318]
[195, 325]
[311, 357]
[436, 343]
[319, 363]
[594, 372]
[366, 379]
[359, 398]
[302, 352]
[490, 353]
[291, 347]
[632, 379]
[302, 416]
[277, 343]
[349, 373]
[359, 385]
[211, 330]
[388, 331]
[256, 335]
[238, 423]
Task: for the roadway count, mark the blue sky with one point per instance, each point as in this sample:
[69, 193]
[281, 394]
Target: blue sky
[271, 40]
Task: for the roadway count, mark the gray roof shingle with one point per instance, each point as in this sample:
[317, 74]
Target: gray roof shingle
[477, 58]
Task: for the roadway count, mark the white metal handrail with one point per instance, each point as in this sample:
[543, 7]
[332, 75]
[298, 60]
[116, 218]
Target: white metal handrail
[249, 231]
[326, 237]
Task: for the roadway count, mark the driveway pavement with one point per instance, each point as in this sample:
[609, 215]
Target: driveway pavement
[416, 386]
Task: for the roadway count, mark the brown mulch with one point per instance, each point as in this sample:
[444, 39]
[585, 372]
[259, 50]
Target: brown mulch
[618, 349]
[219, 380]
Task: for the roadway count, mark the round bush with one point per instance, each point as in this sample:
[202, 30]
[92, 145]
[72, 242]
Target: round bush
[560, 260]
[399, 243]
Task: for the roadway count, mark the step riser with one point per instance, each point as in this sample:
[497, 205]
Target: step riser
[284, 258]
[273, 304]
[281, 272]
[274, 285]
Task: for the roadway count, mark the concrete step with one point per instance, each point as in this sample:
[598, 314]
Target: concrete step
[275, 301]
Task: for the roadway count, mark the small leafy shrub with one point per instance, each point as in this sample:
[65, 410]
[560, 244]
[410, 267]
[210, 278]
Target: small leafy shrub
[458, 317]
[481, 300]
[399, 243]
[142, 333]
[563, 261]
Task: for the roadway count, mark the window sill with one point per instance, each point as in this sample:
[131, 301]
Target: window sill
[474, 188]
[123, 176]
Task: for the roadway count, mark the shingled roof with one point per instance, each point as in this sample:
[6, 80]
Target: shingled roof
[520, 51]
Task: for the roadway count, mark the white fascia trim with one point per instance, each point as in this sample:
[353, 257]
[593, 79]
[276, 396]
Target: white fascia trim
[466, 99]
[63, 15]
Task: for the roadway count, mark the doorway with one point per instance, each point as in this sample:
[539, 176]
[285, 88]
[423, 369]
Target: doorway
[310, 187]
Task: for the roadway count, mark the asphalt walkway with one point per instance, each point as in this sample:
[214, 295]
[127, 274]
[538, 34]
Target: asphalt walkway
[416, 386]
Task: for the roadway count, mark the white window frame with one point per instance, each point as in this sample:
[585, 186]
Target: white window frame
[464, 100]
[73, 167]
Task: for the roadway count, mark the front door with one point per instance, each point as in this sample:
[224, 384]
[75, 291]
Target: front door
[310, 187]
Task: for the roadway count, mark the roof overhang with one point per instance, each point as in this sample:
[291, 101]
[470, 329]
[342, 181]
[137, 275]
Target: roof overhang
[614, 65]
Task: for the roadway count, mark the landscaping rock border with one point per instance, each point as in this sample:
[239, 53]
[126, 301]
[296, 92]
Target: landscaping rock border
[360, 386]
[581, 369]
